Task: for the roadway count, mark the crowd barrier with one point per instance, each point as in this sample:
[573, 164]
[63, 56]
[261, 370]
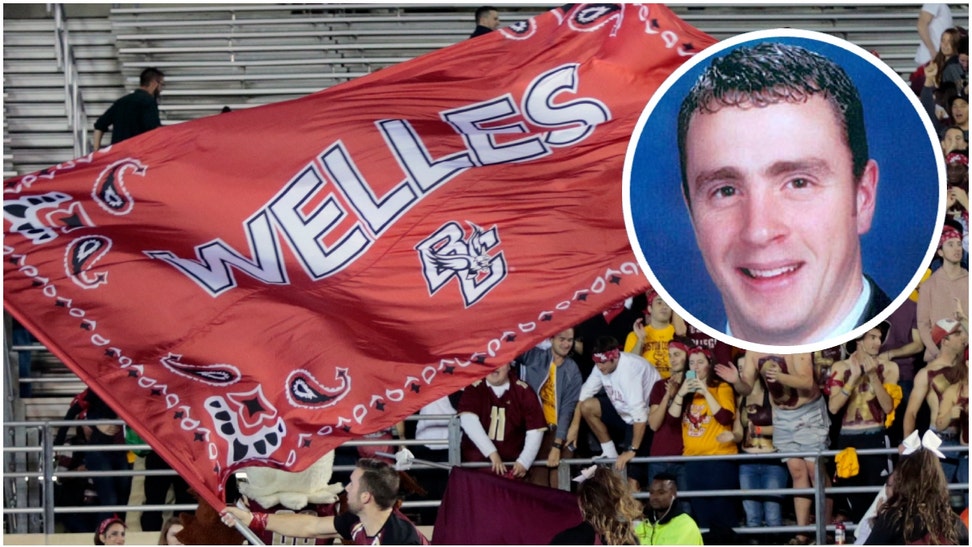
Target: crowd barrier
[27, 472]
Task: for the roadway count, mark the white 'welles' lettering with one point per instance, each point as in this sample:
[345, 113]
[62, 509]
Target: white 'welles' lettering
[333, 177]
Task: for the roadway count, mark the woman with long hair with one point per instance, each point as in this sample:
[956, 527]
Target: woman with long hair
[917, 509]
[707, 406]
[111, 531]
[171, 527]
[608, 508]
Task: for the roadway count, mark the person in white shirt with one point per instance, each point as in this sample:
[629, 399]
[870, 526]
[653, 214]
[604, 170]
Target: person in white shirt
[627, 380]
[933, 20]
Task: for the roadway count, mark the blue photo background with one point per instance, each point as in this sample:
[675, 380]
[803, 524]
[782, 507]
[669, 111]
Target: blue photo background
[908, 189]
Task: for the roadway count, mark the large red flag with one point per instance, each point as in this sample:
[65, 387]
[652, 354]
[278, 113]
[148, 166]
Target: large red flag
[258, 287]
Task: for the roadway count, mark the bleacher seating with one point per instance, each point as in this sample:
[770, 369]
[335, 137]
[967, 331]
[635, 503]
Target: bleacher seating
[220, 55]
[35, 115]
[244, 55]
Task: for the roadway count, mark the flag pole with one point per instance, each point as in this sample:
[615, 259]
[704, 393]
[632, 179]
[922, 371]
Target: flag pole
[247, 533]
[437, 465]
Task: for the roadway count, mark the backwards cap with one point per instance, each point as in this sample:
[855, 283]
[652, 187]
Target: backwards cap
[943, 328]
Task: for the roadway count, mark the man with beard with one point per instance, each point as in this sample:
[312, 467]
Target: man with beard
[372, 518]
[666, 523]
[135, 113]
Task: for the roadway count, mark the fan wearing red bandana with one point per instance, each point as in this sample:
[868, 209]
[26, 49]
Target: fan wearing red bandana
[111, 531]
[940, 292]
[622, 414]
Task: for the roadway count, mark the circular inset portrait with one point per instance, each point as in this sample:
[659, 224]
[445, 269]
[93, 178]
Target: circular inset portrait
[782, 191]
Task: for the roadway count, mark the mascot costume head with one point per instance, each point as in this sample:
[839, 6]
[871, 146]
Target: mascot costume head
[269, 490]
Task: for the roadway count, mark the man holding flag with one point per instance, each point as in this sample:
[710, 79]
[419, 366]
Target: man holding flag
[372, 518]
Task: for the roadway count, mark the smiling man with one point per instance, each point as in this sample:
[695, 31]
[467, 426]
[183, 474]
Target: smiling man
[780, 187]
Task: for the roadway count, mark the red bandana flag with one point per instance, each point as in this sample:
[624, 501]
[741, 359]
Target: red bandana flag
[258, 287]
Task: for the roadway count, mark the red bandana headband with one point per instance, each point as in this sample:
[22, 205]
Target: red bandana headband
[609, 355]
[949, 233]
[954, 157]
[651, 296]
[678, 345]
[703, 351]
[105, 524]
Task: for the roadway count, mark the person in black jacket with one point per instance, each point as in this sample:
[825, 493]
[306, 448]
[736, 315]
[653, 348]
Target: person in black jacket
[487, 20]
[134, 113]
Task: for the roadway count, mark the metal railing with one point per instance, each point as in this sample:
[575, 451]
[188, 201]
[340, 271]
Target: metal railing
[818, 491]
[73, 100]
[30, 469]
[45, 476]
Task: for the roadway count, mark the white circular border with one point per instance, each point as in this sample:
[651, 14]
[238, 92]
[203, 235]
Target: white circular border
[636, 137]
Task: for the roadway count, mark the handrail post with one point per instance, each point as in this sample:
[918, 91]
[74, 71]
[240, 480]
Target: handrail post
[54, 10]
[47, 465]
[563, 476]
[455, 435]
[73, 101]
[820, 498]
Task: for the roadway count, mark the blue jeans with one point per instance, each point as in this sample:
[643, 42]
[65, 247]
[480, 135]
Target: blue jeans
[950, 464]
[763, 510]
[962, 475]
[715, 511]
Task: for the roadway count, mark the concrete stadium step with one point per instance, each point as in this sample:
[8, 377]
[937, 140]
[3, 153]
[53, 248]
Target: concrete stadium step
[89, 82]
[288, 35]
[35, 139]
[24, 125]
[15, 52]
[51, 407]
[95, 52]
[31, 67]
[335, 18]
[52, 96]
[39, 39]
[257, 56]
[241, 64]
[34, 81]
[192, 50]
[35, 159]
[176, 94]
[249, 80]
[74, 24]
[24, 168]
[36, 110]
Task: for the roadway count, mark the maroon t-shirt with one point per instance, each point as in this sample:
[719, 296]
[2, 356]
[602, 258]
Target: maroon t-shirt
[667, 441]
[398, 530]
